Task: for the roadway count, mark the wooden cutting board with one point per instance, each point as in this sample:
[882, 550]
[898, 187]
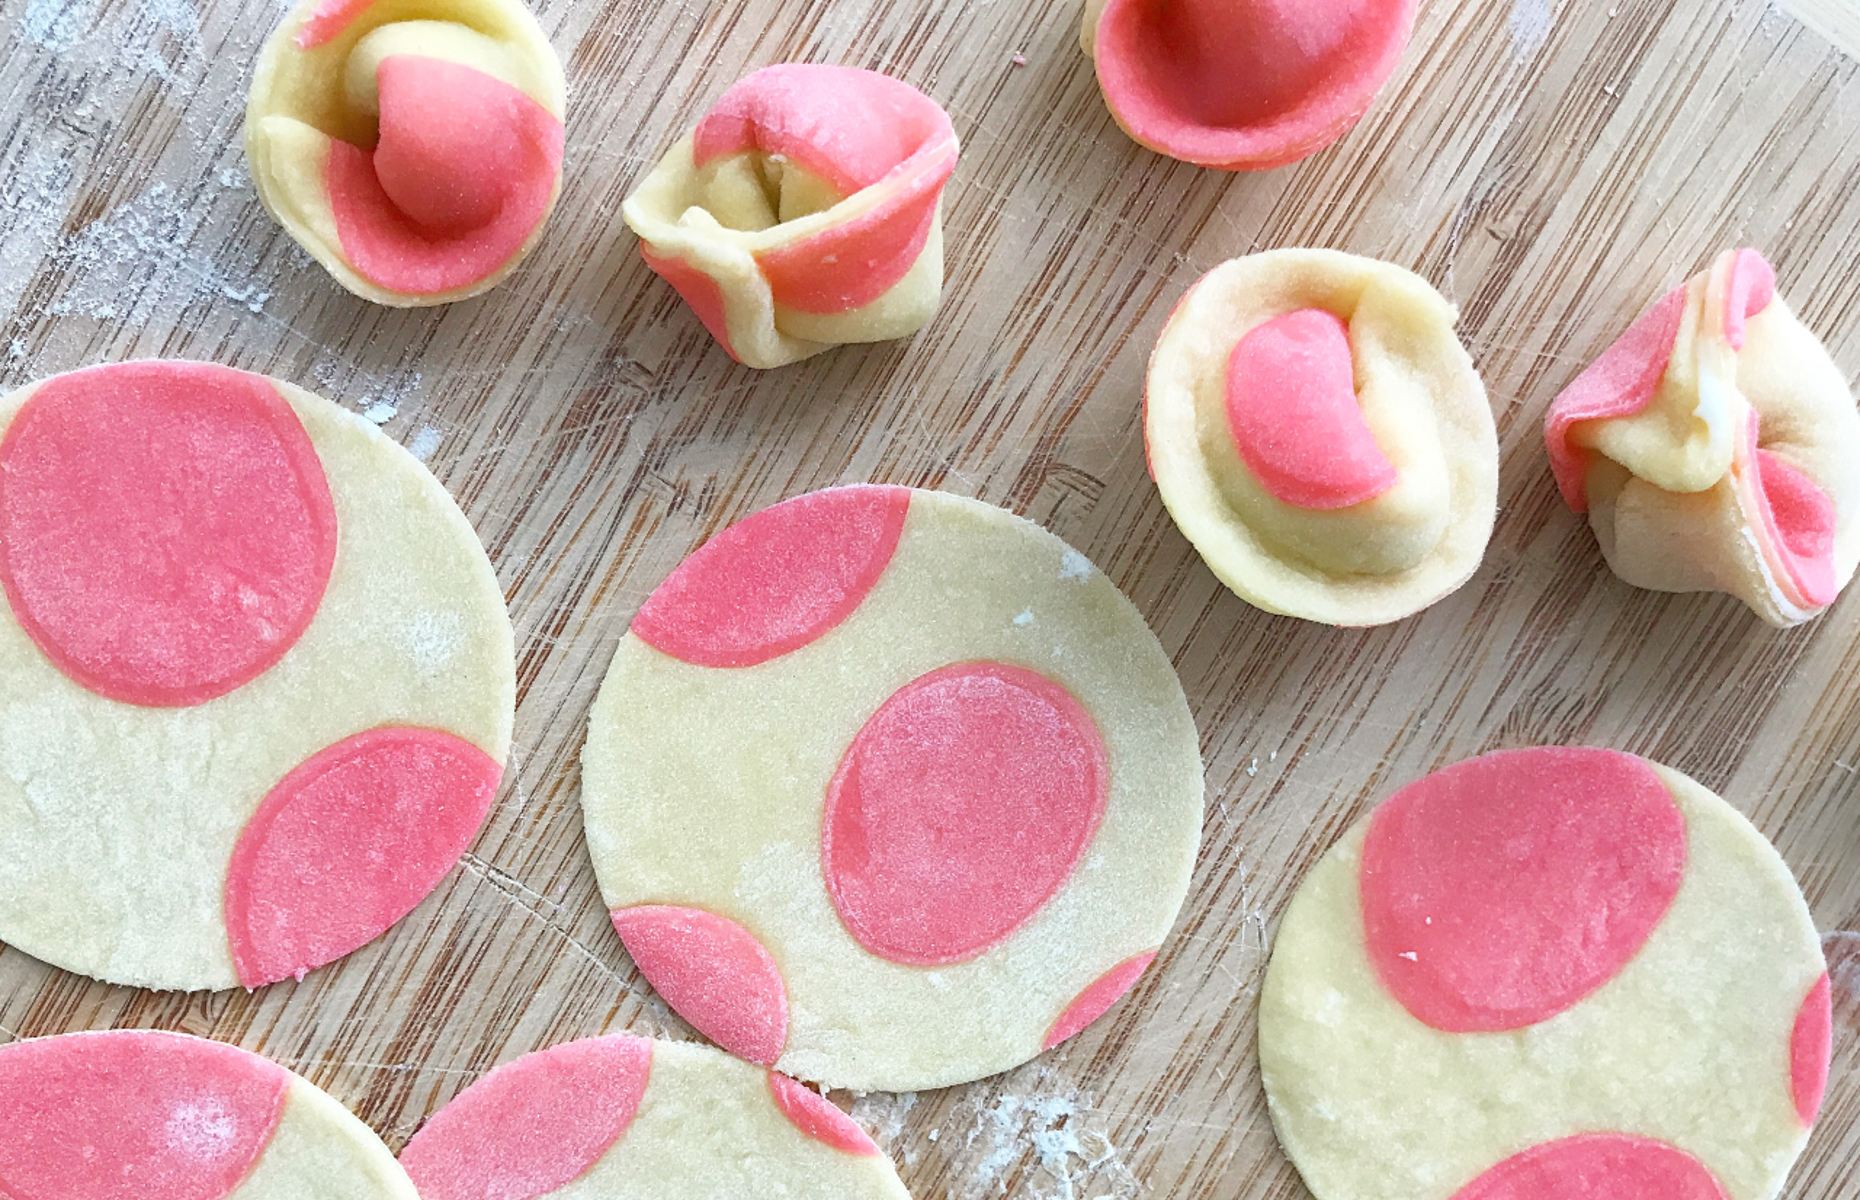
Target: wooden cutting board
[1550, 164]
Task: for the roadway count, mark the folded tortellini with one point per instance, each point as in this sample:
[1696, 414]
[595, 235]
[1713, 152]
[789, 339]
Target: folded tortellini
[1716, 447]
[804, 212]
[413, 147]
[1320, 435]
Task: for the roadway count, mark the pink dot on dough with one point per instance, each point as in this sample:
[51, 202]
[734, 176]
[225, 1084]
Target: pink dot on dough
[166, 530]
[532, 1125]
[1246, 84]
[132, 1115]
[1503, 890]
[817, 1117]
[1603, 1166]
[714, 973]
[1097, 998]
[1293, 413]
[1811, 1047]
[463, 173]
[777, 580]
[960, 810]
[348, 843]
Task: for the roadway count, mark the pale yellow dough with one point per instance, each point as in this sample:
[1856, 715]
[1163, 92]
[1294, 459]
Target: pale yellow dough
[117, 822]
[1687, 1044]
[706, 788]
[1370, 563]
[321, 1151]
[301, 99]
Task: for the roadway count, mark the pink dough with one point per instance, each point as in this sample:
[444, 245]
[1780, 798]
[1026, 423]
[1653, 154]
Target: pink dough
[1598, 1166]
[1098, 998]
[703, 294]
[1749, 291]
[327, 21]
[1292, 410]
[1246, 84]
[959, 810]
[132, 1115]
[816, 1116]
[778, 580]
[463, 173]
[1798, 520]
[852, 129]
[166, 530]
[533, 1125]
[348, 843]
[714, 974]
[1811, 1047]
[1502, 891]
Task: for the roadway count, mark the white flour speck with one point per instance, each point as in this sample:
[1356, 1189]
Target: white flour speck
[425, 442]
[1073, 565]
[381, 411]
[1024, 618]
[1529, 26]
[202, 1131]
[1072, 1158]
[432, 639]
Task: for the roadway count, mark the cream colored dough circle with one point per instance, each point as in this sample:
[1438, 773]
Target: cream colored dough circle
[120, 820]
[163, 1116]
[708, 792]
[625, 1118]
[1423, 411]
[1694, 1070]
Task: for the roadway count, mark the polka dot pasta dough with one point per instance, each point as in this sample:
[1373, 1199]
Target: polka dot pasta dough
[1243, 85]
[1539, 969]
[624, 1118]
[413, 147]
[891, 789]
[804, 212]
[163, 1116]
[256, 677]
[1716, 447]
[1318, 432]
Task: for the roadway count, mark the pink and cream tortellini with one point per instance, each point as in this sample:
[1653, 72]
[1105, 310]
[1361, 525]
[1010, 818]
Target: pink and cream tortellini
[1320, 435]
[804, 212]
[1716, 447]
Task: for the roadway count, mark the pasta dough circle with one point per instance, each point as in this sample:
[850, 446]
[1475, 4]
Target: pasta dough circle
[891, 789]
[413, 147]
[1539, 965]
[250, 831]
[624, 1118]
[1318, 432]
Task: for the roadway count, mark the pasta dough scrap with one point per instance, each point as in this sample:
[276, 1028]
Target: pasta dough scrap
[1716, 447]
[1318, 432]
[804, 212]
[413, 147]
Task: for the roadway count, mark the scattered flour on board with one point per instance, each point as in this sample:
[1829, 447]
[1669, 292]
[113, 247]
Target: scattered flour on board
[1529, 26]
[1038, 1139]
[425, 441]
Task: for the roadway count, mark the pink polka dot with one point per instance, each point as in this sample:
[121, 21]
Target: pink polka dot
[702, 294]
[960, 809]
[1246, 86]
[327, 21]
[1292, 410]
[714, 974]
[1619, 383]
[132, 1115]
[348, 843]
[533, 1125]
[1602, 1166]
[1503, 890]
[1811, 1049]
[463, 174]
[1097, 999]
[816, 1116]
[778, 580]
[166, 530]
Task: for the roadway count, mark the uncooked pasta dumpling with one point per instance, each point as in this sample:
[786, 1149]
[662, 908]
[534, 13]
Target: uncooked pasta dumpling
[804, 212]
[1319, 434]
[1716, 447]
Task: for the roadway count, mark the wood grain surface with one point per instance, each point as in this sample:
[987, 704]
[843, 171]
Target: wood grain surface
[1550, 164]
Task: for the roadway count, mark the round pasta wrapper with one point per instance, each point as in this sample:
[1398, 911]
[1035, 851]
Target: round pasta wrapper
[804, 212]
[413, 147]
[625, 1118]
[1716, 447]
[1539, 969]
[891, 789]
[1318, 432]
[256, 677]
